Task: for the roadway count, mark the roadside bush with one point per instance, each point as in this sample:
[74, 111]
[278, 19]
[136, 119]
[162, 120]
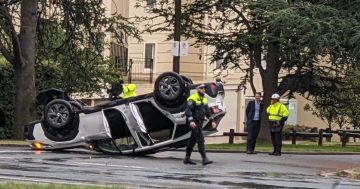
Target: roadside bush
[7, 94]
[47, 76]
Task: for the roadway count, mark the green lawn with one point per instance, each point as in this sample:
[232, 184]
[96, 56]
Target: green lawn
[13, 142]
[301, 147]
[23, 185]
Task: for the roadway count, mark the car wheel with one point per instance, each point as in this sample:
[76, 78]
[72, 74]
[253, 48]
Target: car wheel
[58, 114]
[174, 106]
[75, 106]
[187, 80]
[169, 86]
[69, 132]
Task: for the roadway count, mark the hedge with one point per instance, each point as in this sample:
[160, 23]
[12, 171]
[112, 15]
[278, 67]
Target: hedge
[7, 96]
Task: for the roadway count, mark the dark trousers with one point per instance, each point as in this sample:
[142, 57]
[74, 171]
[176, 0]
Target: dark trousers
[197, 136]
[276, 137]
[253, 129]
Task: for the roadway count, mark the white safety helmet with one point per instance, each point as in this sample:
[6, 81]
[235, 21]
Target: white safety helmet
[202, 85]
[275, 96]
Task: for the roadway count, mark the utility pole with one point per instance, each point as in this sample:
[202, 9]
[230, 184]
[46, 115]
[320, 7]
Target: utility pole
[177, 25]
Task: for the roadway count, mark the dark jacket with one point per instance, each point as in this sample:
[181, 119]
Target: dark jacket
[250, 111]
[197, 109]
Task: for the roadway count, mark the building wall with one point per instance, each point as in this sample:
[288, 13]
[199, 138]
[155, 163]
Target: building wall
[191, 65]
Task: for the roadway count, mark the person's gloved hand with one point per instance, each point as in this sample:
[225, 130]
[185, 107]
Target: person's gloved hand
[213, 125]
[277, 124]
[283, 120]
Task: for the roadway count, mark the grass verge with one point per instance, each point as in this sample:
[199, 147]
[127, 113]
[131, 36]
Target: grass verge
[24, 185]
[13, 142]
[302, 146]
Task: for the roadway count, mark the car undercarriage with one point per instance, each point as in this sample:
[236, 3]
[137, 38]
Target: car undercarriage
[140, 125]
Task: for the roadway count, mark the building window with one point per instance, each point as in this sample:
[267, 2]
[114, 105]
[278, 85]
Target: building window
[150, 3]
[149, 54]
[119, 55]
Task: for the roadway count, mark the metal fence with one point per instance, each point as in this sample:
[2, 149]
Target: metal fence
[141, 70]
[136, 70]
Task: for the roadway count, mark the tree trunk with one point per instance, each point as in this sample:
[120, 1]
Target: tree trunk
[24, 67]
[269, 78]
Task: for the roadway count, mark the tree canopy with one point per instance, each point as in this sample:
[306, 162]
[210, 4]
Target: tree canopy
[304, 43]
[67, 36]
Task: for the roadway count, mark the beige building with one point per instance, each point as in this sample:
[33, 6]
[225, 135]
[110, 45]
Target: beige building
[196, 65]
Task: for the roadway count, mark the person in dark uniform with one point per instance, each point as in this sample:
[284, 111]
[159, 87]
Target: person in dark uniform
[196, 111]
[253, 122]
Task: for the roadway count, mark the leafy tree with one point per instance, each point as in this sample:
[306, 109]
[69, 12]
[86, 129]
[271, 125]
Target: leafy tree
[353, 113]
[26, 26]
[338, 104]
[304, 43]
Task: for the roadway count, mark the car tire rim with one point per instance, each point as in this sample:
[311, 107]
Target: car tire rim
[169, 87]
[58, 115]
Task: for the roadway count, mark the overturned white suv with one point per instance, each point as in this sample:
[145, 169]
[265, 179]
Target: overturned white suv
[144, 124]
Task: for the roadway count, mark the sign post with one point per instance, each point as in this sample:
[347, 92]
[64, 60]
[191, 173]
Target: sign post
[177, 25]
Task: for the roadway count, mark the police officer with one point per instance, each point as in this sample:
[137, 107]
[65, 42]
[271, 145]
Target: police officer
[196, 111]
[128, 91]
[278, 114]
[123, 90]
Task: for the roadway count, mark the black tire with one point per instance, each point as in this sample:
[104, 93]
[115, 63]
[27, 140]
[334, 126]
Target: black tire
[169, 86]
[187, 80]
[75, 106]
[174, 106]
[58, 114]
[64, 134]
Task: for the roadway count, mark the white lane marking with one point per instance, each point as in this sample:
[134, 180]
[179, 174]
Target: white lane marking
[109, 165]
[50, 181]
[20, 151]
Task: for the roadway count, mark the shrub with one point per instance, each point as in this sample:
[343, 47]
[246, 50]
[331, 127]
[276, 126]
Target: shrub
[7, 101]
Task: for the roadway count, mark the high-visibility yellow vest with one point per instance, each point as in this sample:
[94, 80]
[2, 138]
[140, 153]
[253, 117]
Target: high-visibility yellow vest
[197, 99]
[128, 91]
[277, 111]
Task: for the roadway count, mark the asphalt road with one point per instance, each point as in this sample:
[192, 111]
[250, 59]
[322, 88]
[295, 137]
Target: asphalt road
[166, 170]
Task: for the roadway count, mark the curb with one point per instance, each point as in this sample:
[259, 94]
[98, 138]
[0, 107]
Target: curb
[230, 151]
[263, 152]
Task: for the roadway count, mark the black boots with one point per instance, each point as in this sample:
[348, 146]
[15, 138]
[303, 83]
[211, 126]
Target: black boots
[205, 161]
[188, 161]
[275, 154]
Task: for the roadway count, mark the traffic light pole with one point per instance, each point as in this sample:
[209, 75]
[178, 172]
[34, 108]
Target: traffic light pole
[177, 25]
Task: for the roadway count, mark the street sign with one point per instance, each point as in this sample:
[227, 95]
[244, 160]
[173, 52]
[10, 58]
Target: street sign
[179, 48]
[184, 48]
[175, 48]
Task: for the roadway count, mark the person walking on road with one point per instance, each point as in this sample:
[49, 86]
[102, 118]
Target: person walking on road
[277, 114]
[196, 111]
[253, 122]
